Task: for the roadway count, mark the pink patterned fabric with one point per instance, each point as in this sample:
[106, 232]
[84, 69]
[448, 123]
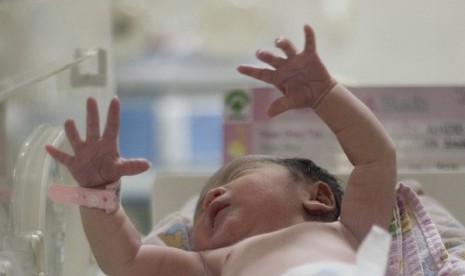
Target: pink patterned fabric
[417, 247]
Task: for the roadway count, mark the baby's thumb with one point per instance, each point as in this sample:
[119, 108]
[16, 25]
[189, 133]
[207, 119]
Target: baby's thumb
[134, 166]
[279, 106]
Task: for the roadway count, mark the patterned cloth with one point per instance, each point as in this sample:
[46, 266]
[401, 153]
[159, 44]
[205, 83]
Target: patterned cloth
[417, 247]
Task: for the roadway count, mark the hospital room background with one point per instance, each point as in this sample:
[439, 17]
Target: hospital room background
[170, 63]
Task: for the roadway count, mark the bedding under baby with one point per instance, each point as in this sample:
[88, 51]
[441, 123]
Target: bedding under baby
[417, 247]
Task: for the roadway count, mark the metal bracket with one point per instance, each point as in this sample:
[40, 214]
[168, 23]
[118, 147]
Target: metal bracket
[96, 78]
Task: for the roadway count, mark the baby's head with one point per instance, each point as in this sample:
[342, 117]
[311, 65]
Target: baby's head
[256, 194]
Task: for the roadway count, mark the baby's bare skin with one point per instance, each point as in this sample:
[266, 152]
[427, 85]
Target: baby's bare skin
[276, 252]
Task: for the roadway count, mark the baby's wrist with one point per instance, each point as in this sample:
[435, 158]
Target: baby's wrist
[102, 186]
[324, 93]
[104, 197]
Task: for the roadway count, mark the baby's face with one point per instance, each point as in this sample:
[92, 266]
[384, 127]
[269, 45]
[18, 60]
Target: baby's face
[255, 200]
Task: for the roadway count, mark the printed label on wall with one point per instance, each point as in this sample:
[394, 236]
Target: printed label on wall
[426, 123]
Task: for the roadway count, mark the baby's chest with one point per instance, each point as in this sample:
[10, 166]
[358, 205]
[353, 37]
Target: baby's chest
[276, 252]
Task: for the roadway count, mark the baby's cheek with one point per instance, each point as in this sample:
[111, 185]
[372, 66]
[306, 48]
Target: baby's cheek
[234, 228]
[197, 243]
[199, 235]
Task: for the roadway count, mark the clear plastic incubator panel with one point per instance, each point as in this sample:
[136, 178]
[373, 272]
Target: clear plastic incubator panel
[53, 55]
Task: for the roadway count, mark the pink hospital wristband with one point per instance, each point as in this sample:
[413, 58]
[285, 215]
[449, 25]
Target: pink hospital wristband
[107, 199]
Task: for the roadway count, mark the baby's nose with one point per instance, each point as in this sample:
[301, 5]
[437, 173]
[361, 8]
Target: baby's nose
[212, 194]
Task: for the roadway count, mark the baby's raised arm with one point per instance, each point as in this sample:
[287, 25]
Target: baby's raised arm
[115, 242]
[369, 195]
[305, 82]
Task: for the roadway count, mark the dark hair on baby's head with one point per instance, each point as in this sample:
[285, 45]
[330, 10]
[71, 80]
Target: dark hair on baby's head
[303, 170]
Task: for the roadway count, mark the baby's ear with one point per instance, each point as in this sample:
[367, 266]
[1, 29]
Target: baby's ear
[320, 199]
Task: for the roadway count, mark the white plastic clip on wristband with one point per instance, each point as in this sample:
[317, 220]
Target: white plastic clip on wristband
[108, 199]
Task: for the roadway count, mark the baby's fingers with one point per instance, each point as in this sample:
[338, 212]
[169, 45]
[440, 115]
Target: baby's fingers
[59, 155]
[310, 44]
[286, 46]
[72, 134]
[258, 73]
[93, 121]
[112, 124]
[270, 58]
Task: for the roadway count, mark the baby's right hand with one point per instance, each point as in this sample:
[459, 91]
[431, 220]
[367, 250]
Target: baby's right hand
[301, 77]
[96, 161]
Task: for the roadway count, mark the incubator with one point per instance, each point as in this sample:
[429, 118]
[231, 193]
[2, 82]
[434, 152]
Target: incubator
[53, 55]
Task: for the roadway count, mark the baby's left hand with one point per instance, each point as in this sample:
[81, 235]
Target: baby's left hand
[301, 77]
